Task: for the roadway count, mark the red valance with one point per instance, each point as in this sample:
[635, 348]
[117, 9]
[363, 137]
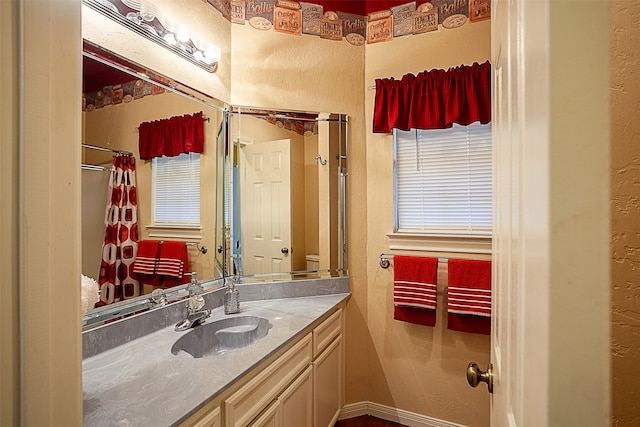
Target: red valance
[434, 99]
[171, 137]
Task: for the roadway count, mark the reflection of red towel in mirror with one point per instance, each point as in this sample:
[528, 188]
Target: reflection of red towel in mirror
[173, 259]
[469, 296]
[147, 257]
[414, 289]
[162, 263]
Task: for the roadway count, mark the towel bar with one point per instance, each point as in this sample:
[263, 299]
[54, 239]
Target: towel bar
[385, 260]
[202, 249]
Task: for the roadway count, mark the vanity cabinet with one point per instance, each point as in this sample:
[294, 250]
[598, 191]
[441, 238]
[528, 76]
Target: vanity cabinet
[328, 368]
[247, 403]
[294, 407]
[303, 387]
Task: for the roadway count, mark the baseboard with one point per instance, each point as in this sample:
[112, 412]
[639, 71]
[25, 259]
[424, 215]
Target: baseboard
[388, 413]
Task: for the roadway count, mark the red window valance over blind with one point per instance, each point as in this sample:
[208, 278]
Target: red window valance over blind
[434, 99]
[171, 137]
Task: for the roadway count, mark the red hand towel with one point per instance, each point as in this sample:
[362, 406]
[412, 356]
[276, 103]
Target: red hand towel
[469, 296]
[172, 259]
[173, 264]
[414, 289]
[146, 260]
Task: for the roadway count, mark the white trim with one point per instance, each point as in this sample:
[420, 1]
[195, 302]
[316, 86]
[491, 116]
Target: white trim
[388, 413]
[444, 243]
[181, 232]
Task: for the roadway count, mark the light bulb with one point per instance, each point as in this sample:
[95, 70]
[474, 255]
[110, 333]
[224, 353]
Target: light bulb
[198, 55]
[212, 54]
[170, 38]
[183, 35]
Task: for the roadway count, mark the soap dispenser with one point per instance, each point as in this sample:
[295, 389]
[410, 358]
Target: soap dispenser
[196, 301]
[231, 297]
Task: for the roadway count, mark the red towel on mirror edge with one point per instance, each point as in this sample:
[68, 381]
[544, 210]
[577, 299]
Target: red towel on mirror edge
[469, 296]
[414, 289]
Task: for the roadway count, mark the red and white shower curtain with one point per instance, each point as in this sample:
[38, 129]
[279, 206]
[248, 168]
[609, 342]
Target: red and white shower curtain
[117, 280]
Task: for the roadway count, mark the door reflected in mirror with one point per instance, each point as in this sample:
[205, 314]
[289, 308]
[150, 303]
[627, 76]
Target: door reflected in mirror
[289, 186]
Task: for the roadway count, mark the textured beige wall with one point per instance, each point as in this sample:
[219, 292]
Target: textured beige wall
[625, 211]
[414, 368]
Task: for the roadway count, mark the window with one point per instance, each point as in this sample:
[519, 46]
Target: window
[443, 181]
[176, 190]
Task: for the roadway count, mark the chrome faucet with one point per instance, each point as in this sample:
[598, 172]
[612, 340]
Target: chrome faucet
[195, 312]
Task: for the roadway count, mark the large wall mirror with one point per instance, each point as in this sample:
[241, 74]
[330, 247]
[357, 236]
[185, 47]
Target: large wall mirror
[289, 186]
[119, 96]
[257, 224]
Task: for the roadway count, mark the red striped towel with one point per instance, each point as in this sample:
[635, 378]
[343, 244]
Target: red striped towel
[414, 289]
[173, 260]
[146, 260]
[469, 296]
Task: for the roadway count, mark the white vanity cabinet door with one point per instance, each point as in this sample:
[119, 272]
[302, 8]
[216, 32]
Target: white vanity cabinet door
[328, 376]
[211, 418]
[242, 407]
[327, 384]
[296, 402]
[271, 417]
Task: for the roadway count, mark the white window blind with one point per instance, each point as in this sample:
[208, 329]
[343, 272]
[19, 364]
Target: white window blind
[176, 190]
[443, 181]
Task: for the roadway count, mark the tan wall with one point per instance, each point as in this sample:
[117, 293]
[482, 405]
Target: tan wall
[625, 211]
[414, 368]
[116, 127]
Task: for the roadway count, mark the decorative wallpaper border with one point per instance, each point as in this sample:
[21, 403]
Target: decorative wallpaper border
[297, 18]
[118, 94]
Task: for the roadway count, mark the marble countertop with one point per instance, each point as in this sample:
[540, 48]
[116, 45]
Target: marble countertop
[141, 383]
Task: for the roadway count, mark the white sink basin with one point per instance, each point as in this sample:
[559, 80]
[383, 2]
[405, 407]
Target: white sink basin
[210, 339]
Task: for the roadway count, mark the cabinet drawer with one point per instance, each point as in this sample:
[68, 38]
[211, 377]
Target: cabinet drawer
[324, 333]
[257, 394]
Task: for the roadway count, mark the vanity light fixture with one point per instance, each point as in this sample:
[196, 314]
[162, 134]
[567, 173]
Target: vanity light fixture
[144, 19]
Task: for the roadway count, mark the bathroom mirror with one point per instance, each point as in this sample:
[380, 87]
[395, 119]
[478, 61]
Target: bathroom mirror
[317, 154]
[110, 126]
[288, 171]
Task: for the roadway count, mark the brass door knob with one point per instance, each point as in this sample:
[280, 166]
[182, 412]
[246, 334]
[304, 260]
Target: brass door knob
[475, 376]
